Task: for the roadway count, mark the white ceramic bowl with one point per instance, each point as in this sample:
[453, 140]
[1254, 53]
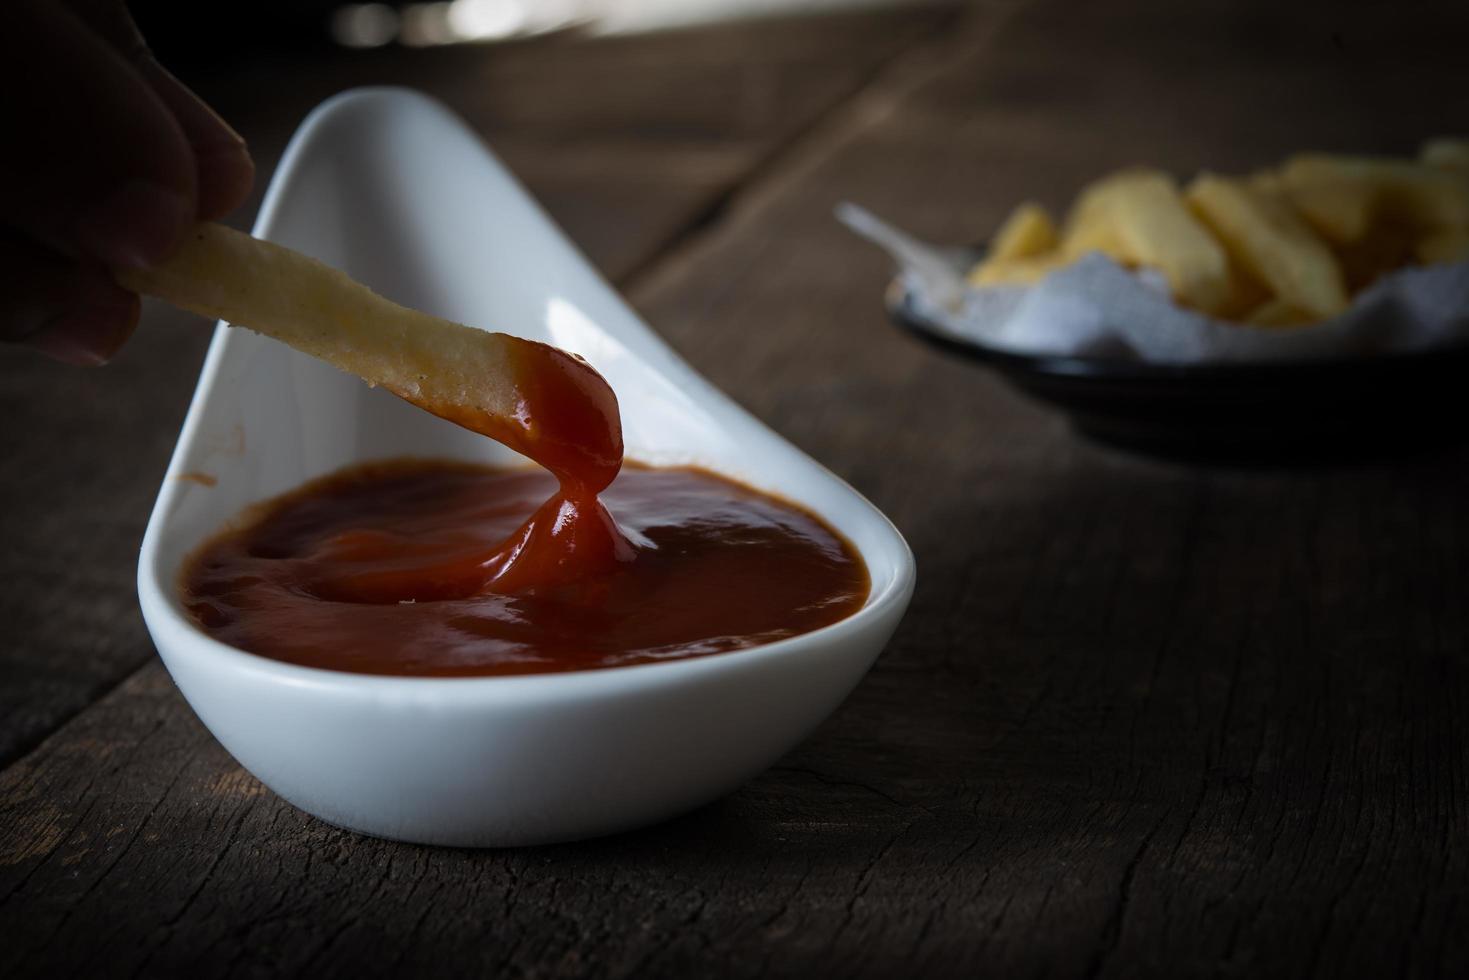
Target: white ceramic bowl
[390, 187]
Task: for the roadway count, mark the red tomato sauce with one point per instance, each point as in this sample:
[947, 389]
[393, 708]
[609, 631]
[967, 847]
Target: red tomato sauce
[443, 569]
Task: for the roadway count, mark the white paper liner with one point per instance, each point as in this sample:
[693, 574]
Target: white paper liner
[1096, 308]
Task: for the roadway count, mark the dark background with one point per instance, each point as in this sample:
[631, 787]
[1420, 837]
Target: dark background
[192, 38]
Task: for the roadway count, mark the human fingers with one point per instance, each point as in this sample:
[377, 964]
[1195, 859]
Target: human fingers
[223, 169]
[67, 310]
[101, 169]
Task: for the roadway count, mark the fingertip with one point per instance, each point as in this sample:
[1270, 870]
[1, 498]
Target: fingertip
[226, 174]
[105, 172]
[135, 225]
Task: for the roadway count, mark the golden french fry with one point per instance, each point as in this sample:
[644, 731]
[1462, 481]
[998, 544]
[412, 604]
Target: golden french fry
[1425, 198]
[1271, 243]
[472, 377]
[1091, 230]
[1275, 248]
[1023, 271]
[1246, 293]
[1338, 202]
[1090, 226]
[1139, 217]
[1028, 231]
[1444, 246]
[1277, 313]
[1269, 182]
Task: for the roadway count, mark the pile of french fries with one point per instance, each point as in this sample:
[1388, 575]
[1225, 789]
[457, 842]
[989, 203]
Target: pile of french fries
[1276, 248]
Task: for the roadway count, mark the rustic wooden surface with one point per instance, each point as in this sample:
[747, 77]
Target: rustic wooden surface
[1142, 718]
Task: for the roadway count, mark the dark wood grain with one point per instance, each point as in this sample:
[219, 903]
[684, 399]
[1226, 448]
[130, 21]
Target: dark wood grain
[1142, 719]
[628, 142]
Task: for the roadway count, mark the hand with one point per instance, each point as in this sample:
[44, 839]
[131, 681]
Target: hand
[109, 159]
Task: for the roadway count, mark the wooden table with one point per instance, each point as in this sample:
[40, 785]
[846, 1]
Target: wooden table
[1142, 718]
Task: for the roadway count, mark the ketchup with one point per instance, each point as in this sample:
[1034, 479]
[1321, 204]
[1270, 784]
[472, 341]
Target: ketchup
[382, 570]
[566, 419]
[446, 569]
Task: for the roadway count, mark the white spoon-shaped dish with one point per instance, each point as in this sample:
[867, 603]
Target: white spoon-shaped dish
[390, 187]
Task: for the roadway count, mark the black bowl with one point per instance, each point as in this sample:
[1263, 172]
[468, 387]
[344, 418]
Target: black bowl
[1274, 412]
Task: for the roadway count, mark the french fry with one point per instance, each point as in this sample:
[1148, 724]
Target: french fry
[1090, 224]
[1278, 247]
[1277, 313]
[468, 376]
[1028, 232]
[1091, 231]
[1271, 243]
[1141, 215]
[1268, 182]
[1426, 198]
[1024, 271]
[1246, 293]
[1339, 205]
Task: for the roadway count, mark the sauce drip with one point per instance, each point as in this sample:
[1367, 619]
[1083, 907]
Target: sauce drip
[566, 419]
[382, 570]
